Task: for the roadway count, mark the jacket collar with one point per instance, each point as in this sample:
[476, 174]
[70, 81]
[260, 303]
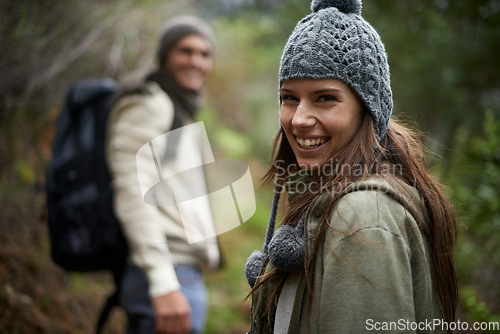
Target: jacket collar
[298, 184]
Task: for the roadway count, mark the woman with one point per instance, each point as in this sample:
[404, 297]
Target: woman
[366, 242]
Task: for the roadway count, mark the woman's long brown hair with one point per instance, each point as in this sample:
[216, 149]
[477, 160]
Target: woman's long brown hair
[400, 149]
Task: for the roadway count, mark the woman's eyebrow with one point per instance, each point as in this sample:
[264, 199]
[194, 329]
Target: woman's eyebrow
[319, 91]
[327, 90]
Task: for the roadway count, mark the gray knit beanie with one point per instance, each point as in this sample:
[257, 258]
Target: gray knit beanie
[336, 42]
[179, 27]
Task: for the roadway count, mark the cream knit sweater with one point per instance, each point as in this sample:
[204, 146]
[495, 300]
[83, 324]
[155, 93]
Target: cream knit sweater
[156, 234]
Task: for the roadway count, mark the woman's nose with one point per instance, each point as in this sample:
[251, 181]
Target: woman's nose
[303, 116]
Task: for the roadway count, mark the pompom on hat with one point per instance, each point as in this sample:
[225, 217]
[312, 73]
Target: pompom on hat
[345, 6]
[334, 41]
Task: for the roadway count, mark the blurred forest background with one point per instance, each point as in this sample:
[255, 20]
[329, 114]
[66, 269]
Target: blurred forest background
[444, 58]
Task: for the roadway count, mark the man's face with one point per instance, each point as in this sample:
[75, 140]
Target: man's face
[190, 61]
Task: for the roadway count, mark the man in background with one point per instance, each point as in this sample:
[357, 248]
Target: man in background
[162, 289]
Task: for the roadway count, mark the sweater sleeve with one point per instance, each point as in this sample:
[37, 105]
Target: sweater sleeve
[367, 280]
[134, 122]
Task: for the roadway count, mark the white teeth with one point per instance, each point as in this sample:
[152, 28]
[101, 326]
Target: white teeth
[310, 142]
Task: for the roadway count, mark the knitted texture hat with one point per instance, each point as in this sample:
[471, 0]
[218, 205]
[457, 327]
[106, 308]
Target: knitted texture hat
[178, 27]
[336, 42]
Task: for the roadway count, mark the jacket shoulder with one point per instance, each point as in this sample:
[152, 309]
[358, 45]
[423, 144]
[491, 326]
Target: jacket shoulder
[154, 98]
[143, 111]
[376, 202]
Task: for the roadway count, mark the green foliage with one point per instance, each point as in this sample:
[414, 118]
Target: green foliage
[477, 187]
[475, 183]
[243, 88]
[25, 173]
[477, 311]
[233, 143]
[442, 61]
[77, 283]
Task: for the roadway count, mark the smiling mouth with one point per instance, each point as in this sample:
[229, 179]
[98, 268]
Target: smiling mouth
[311, 143]
[193, 74]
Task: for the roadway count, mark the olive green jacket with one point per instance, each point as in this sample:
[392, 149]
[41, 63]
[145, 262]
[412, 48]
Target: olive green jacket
[373, 269]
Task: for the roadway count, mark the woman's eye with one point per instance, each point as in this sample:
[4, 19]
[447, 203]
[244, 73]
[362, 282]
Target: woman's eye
[326, 98]
[288, 98]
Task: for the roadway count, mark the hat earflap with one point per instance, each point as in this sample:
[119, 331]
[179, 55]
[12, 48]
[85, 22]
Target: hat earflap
[285, 247]
[254, 262]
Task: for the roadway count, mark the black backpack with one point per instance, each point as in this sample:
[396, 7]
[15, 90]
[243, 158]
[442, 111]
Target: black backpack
[84, 232]
[85, 235]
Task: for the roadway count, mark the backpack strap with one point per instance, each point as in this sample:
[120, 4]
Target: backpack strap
[113, 299]
[286, 302]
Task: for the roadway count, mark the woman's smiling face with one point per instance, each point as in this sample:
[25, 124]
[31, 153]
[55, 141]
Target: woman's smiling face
[320, 117]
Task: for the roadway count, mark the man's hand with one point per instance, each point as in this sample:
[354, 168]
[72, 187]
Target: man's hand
[173, 313]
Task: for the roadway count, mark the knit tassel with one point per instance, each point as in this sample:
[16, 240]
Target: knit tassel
[256, 259]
